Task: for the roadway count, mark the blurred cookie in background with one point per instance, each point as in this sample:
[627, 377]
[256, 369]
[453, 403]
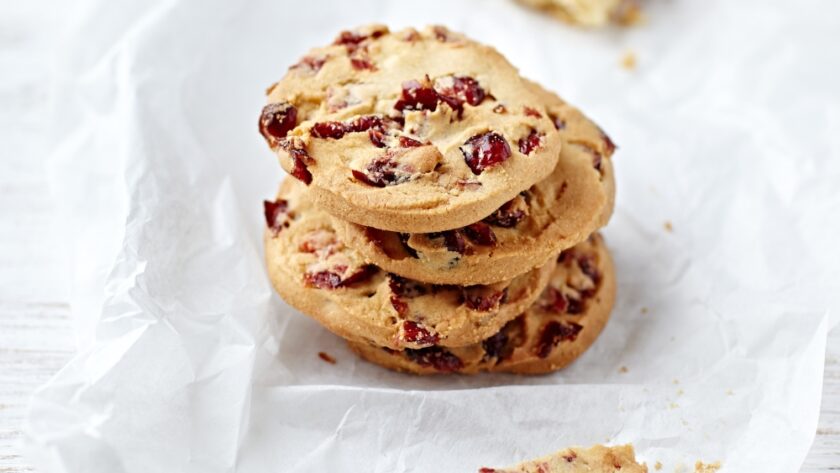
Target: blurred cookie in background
[592, 13]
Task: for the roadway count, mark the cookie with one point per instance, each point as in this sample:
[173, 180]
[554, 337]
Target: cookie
[565, 320]
[315, 272]
[590, 12]
[554, 214]
[409, 131]
[596, 459]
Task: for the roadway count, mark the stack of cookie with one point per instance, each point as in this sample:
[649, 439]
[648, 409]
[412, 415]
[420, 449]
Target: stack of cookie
[441, 209]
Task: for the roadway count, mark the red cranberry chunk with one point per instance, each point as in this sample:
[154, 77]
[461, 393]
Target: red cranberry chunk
[559, 123]
[361, 275]
[404, 240]
[485, 150]
[322, 280]
[276, 121]
[313, 64]
[417, 96]
[436, 357]
[455, 91]
[406, 142]
[557, 302]
[361, 64]
[481, 234]
[589, 268]
[331, 280]
[441, 33]
[480, 299]
[531, 142]
[532, 112]
[274, 211]
[381, 172]
[507, 216]
[553, 333]
[453, 240]
[609, 146]
[399, 305]
[406, 287]
[301, 172]
[334, 130]
[574, 306]
[495, 346]
[300, 158]
[416, 333]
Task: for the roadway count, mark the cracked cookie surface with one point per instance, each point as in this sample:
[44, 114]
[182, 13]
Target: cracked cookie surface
[409, 131]
[525, 232]
[315, 272]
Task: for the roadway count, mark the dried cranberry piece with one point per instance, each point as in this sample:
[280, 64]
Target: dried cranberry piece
[334, 130]
[311, 63]
[452, 239]
[461, 89]
[477, 298]
[441, 33]
[406, 142]
[272, 211]
[495, 346]
[417, 96]
[416, 333]
[406, 287]
[361, 275]
[553, 333]
[436, 357]
[531, 142]
[506, 216]
[485, 150]
[596, 161]
[276, 121]
[609, 146]
[361, 64]
[399, 305]
[558, 302]
[571, 457]
[365, 123]
[381, 172]
[322, 280]
[575, 306]
[486, 470]
[377, 137]
[351, 39]
[589, 268]
[300, 158]
[331, 280]
[404, 240]
[532, 112]
[481, 234]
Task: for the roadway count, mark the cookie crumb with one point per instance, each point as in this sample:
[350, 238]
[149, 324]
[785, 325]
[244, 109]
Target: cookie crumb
[673, 405]
[676, 381]
[326, 357]
[700, 467]
[628, 60]
[680, 392]
[657, 466]
[730, 392]
[668, 226]
[623, 369]
[644, 310]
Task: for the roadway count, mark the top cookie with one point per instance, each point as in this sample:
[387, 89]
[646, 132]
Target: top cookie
[409, 131]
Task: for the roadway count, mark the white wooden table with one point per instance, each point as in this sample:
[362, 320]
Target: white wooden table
[36, 335]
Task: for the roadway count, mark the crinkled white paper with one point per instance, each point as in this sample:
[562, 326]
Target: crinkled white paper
[729, 128]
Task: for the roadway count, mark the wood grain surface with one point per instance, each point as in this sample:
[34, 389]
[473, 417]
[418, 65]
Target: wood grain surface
[36, 331]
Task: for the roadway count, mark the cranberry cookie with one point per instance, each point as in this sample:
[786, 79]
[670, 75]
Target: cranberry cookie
[565, 320]
[409, 131]
[590, 12]
[596, 459]
[554, 214]
[312, 269]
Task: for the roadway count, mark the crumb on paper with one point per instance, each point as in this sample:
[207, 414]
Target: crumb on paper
[326, 357]
[680, 392]
[673, 405]
[628, 60]
[657, 466]
[669, 227]
[676, 381]
[700, 467]
[730, 392]
[644, 310]
[623, 369]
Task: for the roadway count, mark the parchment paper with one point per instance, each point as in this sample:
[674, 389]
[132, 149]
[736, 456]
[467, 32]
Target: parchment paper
[727, 128]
